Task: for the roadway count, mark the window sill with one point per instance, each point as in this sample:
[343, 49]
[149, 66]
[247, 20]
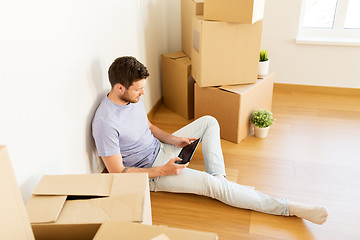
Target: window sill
[328, 41]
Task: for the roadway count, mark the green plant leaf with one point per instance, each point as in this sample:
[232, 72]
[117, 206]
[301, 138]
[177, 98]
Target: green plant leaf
[263, 55]
[262, 118]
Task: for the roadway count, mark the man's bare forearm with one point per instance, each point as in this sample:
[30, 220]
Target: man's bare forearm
[153, 172]
[170, 168]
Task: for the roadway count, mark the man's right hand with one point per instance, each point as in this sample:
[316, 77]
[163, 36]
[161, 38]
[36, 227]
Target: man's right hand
[172, 168]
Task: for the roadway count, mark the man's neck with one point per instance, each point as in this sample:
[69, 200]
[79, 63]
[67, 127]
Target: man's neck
[116, 99]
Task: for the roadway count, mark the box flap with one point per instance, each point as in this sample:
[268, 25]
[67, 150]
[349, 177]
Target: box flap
[13, 218]
[243, 88]
[45, 209]
[161, 237]
[126, 208]
[129, 183]
[179, 56]
[184, 60]
[132, 231]
[175, 55]
[240, 89]
[76, 185]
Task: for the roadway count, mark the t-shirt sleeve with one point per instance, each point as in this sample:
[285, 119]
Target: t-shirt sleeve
[106, 139]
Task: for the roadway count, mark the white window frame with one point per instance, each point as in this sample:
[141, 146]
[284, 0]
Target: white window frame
[326, 36]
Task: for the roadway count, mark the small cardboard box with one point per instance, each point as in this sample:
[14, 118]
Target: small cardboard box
[130, 231]
[177, 84]
[64, 204]
[232, 105]
[189, 8]
[238, 11]
[13, 217]
[225, 53]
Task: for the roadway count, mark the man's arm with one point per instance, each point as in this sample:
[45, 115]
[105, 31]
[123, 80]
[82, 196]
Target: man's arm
[169, 138]
[114, 164]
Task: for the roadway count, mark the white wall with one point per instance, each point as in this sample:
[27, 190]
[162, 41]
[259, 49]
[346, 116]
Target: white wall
[335, 66]
[54, 57]
[173, 17]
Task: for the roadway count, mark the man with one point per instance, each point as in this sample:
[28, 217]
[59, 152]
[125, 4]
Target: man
[127, 142]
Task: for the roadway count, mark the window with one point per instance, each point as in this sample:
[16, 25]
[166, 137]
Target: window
[330, 22]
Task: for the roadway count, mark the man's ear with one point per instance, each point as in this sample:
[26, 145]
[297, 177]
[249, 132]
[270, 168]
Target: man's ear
[120, 88]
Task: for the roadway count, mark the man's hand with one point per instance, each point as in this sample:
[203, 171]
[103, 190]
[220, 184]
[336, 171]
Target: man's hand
[183, 141]
[172, 168]
[169, 138]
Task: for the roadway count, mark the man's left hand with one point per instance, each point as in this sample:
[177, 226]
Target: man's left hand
[183, 141]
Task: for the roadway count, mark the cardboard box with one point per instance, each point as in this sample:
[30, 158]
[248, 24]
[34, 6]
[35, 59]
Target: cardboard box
[238, 11]
[232, 105]
[189, 8]
[13, 217]
[225, 53]
[177, 84]
[130, 231]
[62, 203]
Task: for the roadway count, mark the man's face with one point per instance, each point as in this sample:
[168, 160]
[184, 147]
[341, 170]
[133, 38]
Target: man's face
[134, 92]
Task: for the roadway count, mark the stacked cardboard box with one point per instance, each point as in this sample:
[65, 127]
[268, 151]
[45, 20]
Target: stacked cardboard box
[225, 53]
[221, 43]
[233, 105]
[225, 59]
[238, 11]
[189, 9]
[177, 82]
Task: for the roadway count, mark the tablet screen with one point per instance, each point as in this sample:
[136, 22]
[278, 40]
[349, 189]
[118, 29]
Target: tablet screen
[188, 151]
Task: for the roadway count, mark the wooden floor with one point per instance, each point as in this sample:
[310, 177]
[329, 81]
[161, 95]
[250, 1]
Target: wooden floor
[311, 155]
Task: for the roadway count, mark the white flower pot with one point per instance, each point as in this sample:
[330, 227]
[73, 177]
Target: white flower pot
[264, 68]
[261, 132]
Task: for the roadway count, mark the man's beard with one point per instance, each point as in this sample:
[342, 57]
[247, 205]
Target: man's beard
[130, 100]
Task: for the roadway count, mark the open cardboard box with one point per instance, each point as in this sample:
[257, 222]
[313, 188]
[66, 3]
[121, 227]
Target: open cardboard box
[239, 11]
[232, 105]
[14, 220]
[120, 197]
[63, 202]
[225, 53]
[130, 231]
[177, 83]
[15, 224]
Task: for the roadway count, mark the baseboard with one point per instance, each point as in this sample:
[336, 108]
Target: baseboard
[155, 108]
[316, 89]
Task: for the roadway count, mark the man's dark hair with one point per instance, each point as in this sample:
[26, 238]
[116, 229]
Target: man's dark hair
[126, 70]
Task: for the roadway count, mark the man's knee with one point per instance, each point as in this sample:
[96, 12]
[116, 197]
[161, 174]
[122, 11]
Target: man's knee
[211, 121]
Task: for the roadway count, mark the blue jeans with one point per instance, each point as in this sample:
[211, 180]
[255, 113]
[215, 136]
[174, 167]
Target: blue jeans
[211, 183]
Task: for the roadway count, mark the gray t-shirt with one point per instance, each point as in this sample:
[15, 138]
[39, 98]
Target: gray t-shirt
[124, 129]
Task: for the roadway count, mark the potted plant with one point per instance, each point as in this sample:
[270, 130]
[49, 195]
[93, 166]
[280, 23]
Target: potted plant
[263, 62]
[262, 120]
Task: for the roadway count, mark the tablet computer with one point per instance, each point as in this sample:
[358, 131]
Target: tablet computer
[187, 152]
